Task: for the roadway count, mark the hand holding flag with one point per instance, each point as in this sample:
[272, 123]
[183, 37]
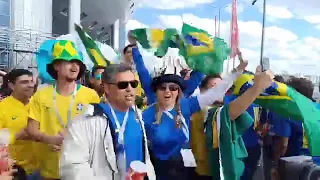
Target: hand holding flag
[131, 38]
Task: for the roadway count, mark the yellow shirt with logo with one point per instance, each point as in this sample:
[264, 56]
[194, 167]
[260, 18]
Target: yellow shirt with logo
[42, 109]
[14, 117]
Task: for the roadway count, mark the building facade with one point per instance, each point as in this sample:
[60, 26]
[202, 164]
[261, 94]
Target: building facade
[25, 24]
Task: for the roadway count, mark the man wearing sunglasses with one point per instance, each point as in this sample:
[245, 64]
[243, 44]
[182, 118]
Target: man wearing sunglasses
[105, 143]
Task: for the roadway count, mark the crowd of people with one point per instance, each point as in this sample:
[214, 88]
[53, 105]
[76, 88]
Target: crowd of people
[128, 124]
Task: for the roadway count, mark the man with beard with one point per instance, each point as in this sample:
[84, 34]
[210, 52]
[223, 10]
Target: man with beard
[14, 120]
[106, 143]
[53, 107]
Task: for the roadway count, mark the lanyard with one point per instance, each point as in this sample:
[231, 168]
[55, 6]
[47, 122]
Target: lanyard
[185, 128]
[69, 113]
[121, 129]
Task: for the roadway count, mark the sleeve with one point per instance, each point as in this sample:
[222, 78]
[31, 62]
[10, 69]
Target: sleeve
[192, 84]
[95, 97]
[75, 154]
[216, 93]
[242, 123]
[6, 136]
[34, 107]
[144, 76]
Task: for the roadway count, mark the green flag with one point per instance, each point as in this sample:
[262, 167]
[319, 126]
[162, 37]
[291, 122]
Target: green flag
[202, 52]
[285, 101]
[92, 49]
[156, 40]
[226, 149]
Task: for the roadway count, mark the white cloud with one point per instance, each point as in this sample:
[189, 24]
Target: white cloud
[134, 24]
[286, 9]
[286, 50]
[313, 19]
[174, 4]
[277, 12]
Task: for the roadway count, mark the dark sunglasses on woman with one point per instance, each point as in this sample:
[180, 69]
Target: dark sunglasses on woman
[171, 87]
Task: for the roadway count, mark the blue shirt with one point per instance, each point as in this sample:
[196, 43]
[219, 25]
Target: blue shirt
[166, 139]
[284, 127]
[250, 136]
[133, 135]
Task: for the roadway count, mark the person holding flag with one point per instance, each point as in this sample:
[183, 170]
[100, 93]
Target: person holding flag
[190, 85]
[53, 107]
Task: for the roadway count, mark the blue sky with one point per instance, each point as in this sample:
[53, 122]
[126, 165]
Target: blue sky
[292, 29]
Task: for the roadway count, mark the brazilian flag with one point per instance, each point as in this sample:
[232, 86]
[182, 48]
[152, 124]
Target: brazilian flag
[286, 101]
[92, 49]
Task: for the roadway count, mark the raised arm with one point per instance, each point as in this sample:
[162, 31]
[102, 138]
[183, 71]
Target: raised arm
[144, 76]
[262, 80]
[216, 93]
[192, 83]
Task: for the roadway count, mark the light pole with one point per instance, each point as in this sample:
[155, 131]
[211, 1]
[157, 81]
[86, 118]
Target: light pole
[219, 16]
[263, 27]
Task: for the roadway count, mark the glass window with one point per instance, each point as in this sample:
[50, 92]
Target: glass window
[4, 8]
[4, 20]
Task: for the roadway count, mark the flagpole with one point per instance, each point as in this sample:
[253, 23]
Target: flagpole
[263, 27]
[219, 16]
[215, 26]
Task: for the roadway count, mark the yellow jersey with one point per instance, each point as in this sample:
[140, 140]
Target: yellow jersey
[44, 110]
[139, 88]
[14, 117]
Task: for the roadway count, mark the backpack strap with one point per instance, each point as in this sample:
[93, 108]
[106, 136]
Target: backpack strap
[99, 111]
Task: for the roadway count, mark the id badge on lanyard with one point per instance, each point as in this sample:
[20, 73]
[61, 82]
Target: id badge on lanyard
[187, 155]
[69, 112]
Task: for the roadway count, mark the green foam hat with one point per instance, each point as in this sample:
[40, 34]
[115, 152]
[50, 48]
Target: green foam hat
[65, 50]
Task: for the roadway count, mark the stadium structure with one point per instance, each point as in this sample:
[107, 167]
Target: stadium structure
[25, 24]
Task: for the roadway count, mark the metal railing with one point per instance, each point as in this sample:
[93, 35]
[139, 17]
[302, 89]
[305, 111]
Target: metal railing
[18, 46]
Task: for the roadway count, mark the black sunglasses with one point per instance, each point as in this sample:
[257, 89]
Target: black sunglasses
[125, 84]
[171, 87]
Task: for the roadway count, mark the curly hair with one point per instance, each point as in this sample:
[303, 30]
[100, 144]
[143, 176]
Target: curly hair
[302, 85]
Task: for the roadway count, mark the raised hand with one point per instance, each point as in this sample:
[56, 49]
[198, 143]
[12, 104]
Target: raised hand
[131, 39]
[243, 63]
[264, 79]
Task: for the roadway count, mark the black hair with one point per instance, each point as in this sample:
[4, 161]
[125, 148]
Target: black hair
[279, 78]
[5, 90]
[16, 73]
[302, 85]
[184, 72]
[205, 81]
[95, 68]
[20, 174]
[125, 49]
